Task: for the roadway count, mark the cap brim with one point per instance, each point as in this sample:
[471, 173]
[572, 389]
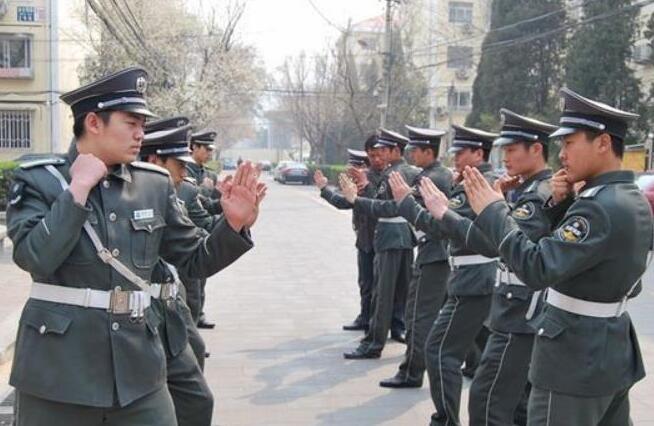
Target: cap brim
[186, 159]
[504, 142]
[138, 110]
[564, 131]
[383, 145]
[455, 149]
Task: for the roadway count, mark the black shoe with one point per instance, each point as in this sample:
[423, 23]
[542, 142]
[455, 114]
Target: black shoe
[359, 353]
[207, 354]
[398, 337]
[204, 324]
[355, 326]
[399, 382]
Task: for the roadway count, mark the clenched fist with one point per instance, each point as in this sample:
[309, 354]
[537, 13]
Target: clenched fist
[85, 172]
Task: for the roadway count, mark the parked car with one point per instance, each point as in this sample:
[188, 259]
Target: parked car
[266, 165]
[229, 164]
[288, 171]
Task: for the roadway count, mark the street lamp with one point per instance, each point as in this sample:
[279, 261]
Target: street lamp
[649, 144]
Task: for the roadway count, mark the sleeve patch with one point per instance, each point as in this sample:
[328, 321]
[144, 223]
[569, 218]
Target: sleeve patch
[16, 193]
[457, 201]
[524, 211]
[574, 230]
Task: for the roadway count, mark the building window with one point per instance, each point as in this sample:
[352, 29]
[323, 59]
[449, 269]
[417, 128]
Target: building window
[460, 12]
[459, 100]
[15, 56]
[459, 57]
[15, 129]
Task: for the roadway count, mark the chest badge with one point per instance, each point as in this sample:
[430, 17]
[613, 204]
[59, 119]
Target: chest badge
[143, 214]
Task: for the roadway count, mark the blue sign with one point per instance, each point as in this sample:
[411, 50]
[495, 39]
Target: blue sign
[25, 13]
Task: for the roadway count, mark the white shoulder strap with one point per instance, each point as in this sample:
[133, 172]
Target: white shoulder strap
[103, 253]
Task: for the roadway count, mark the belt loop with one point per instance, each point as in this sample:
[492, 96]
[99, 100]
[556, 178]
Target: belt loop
[622, 307]
[87, 298]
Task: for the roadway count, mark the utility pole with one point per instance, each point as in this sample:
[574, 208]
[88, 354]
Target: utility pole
[388, 62]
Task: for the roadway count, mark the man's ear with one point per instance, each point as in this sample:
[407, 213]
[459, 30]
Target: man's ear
[604, 143]
[536, 148]
[92, 123]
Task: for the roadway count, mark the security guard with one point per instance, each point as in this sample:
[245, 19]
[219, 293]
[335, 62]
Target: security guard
[427, 290]
[202, 147]
[470, 284]
[89, 227]
[500, 382]
[394, 242]
[586, 355]
[193, 400]
[364, 225]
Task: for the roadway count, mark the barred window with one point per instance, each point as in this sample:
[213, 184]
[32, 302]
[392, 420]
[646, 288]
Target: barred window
[15, 129]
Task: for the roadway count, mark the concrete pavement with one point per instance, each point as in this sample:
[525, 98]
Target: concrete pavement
[277, 349]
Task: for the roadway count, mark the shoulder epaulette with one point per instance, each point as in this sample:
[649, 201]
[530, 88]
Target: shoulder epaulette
[533, 186]
[149, 166]
[592, 192]
[56, 161]
[190, 180]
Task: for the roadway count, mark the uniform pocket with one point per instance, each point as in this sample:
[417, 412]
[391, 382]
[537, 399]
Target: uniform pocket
[517, 292]
[46, 322]
[145, 240]
[549, 328]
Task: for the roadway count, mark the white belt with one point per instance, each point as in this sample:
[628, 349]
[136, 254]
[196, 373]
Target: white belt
[164, 291]
[473, 259]
[396, 219]
[114, 301]
[584, 307]
[420, 235]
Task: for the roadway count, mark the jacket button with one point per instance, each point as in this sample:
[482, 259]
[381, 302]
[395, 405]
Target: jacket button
[497, 284]
[106, 184]
[115, 252]
[42, 329]
[112, 217]
[509, 295]
[541, 331]
[115, 326]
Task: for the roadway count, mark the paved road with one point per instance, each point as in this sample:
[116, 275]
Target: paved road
[277, 351]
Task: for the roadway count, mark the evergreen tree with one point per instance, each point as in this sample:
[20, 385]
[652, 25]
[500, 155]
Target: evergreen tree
[597, 64]
[520, 66]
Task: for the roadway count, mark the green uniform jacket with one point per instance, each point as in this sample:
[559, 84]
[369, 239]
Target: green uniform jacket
[209, 197]
[188, 193]
[388, 236]
[432, 249]
[472, 280]
[597, 253]
[511, 303]
[85, 356]
[363, 224]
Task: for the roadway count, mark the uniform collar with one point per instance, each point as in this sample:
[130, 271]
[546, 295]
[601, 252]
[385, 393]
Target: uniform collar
[618, 176]
[120, 171]
[485, 167]
[433, 165]
[542, 175]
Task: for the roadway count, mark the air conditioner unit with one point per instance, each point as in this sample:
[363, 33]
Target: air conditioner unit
[441, 112]
[467, 29]
[462, 73]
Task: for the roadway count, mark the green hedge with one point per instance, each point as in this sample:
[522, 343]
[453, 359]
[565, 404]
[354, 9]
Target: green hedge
[6, 175]
[331, 171]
